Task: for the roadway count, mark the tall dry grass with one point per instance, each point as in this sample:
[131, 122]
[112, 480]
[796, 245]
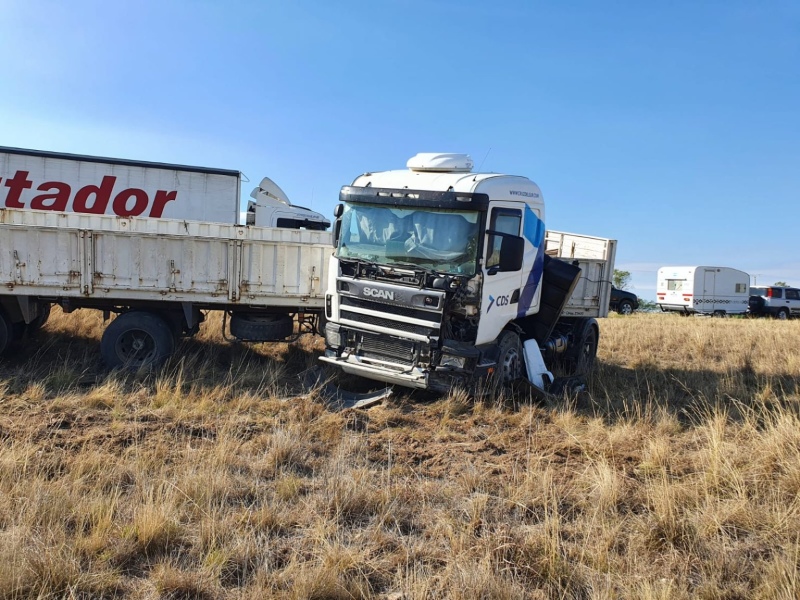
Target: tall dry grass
[676, 476]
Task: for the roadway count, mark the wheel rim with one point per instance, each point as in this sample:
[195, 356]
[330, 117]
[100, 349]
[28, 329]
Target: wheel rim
[510, 366]
[626, 309]
[782, 315]
[135, 347]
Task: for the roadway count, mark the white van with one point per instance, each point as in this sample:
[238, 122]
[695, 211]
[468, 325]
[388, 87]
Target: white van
[704, 290]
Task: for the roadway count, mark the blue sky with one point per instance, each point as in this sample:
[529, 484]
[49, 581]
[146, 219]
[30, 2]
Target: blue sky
[671, 127]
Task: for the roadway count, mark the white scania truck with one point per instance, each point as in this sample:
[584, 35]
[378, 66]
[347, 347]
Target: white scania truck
[445, 277]
[158, 245]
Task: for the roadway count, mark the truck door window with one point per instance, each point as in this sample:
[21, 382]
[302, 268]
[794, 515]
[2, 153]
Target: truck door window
[504, 220]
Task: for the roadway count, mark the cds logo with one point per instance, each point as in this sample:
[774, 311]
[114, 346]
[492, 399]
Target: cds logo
[501, 301]
[378, 293]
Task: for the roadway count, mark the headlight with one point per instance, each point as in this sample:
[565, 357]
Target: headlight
[455, 362]
[332, 336]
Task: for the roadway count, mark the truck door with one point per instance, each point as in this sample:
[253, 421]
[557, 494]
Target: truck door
[708, 303]
[501, 290]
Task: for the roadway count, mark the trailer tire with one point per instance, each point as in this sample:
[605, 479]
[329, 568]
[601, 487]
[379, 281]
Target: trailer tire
[136, 340]
[6, 332]
[261, 327]
[44, 314]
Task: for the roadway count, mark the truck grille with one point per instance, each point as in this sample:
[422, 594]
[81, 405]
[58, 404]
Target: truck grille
[387, 348]
[392, 317]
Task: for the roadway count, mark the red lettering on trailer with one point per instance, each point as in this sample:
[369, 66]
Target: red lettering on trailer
[15, 186]
[101, 193]
[160, 201]
[120, 205]
[57, 201]
[90, 199]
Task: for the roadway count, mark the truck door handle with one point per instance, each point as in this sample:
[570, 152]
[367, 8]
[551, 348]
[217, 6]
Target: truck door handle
[515, 296]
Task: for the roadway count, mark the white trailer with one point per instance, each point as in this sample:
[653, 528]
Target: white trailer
[159, 276]
[94, 185]
[703, 290]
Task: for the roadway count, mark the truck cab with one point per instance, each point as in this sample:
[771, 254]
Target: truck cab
[437, 276]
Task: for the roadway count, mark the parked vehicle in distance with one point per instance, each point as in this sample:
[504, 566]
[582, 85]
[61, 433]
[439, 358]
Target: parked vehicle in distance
[623, 301]
[774, 301]
[717, 291]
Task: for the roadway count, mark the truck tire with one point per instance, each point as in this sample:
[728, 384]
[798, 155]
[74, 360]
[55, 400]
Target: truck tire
[136, 340]
[581, 357]
[782, 314]
[625, 307]
[5, 332]
[509, 359]
[252, 327]
[41, 319]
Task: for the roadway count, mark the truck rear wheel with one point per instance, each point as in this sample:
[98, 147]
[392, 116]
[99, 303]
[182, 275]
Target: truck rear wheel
[587, 351]
[261, 327]
[581, 357]
[135, 340]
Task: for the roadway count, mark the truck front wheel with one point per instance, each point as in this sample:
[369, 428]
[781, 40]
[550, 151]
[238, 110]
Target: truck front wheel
[135, 340]
[509, 358]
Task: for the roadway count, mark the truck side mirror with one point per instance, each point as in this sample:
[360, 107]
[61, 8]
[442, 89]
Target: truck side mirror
[511, 250]
[337, 231]
[338, 210]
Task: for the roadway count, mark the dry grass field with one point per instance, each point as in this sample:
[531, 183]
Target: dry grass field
[676, 476]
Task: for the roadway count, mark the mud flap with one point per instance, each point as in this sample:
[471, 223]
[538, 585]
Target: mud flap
[538, 375]
[335, 398]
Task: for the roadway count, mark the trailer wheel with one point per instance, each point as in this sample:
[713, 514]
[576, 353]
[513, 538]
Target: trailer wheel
[261, 327]
[135, 340]
[782, 314]
[41, 319]
[509, 359]
[5, 332]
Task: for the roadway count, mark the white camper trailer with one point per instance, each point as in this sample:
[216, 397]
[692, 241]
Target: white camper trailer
[703, 290]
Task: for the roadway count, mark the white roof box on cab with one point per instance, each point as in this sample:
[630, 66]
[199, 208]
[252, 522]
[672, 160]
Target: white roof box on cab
[440, 162]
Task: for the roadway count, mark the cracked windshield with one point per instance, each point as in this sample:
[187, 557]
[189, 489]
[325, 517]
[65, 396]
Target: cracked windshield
[442, 240]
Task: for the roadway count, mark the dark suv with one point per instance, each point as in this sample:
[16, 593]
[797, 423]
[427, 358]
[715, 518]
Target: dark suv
[623, 302]
[774, 301]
